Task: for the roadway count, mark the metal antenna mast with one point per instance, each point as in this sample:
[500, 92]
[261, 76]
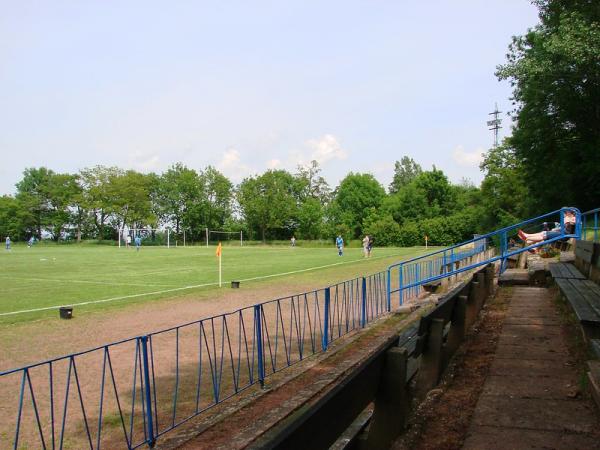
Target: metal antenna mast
[495, 124]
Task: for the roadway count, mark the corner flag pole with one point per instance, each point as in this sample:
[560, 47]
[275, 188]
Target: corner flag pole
[218, 253]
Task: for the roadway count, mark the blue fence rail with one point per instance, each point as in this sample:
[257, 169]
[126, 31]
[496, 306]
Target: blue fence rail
[129, 393]
[407, 278]
[590, 227]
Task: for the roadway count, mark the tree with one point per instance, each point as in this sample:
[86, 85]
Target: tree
[505, 196]
[554, 70]
[405, 171]
[130, 196]
[310, 218]
[269, 201]
[440, 197]
[428, 195]
[96, 195]
[218, 191]
[314, 184]
[62, 192]
[355, 194]
[179, 195]
[10, 218]
[382, 227]
[410, 203]
[32, 194]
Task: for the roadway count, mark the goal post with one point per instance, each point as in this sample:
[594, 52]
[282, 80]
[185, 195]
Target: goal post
[155, 236]
[219, 235]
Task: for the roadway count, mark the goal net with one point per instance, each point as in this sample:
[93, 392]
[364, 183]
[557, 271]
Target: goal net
[232, 237]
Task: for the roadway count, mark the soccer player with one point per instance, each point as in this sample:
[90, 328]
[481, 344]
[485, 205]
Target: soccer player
[7, 243]
[339, 243]
[30, 241]
[138, 243]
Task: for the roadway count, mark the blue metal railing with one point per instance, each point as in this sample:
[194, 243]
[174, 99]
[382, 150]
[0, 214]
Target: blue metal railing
[407, 278]
[590, 225]
[138, 389]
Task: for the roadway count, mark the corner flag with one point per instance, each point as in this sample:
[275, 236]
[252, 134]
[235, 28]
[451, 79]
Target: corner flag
[218, 255]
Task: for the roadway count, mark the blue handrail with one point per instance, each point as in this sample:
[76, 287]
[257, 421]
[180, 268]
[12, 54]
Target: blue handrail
[421, 270]
[590, 221]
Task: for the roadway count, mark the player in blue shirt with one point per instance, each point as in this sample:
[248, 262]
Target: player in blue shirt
[138, 243]
[7, 243]
[339, 243]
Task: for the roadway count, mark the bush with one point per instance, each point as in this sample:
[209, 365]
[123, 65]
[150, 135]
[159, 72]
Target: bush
[410, 235]
[385, 231]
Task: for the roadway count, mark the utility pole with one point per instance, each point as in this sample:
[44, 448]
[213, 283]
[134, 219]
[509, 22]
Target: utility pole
[495, 124]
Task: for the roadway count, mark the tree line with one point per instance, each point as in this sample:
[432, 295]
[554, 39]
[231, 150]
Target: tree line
[97, 202]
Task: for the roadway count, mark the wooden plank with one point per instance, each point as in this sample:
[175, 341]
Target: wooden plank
[575, 273]
[595, 344]
[584, 250]
[583, 310]
[565, 270]
[556, 270]
[591, 292]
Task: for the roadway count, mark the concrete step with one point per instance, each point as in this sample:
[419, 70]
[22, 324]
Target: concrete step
[514, 277]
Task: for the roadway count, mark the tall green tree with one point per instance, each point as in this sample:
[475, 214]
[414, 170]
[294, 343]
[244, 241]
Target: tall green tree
[179, 196]
[97, 195]
[356, 193]
[554, 70]
[504, 193]
[314, 185]
[10, 218]
[32, 194]
[62, 192]
[405, 171]
[130, 195]
[269, 202]
[218, 193]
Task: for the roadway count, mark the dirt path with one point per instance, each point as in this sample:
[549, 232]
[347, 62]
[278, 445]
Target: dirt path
[514, 384]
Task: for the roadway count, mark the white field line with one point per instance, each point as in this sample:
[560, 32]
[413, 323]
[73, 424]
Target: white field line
[104, 283]
[166, 291]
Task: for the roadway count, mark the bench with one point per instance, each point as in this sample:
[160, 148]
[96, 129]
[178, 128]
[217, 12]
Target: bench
[565, 270]
[584, 297]
[584, 256]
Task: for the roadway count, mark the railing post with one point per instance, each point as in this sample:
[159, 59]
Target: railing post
[503, 248]
[400, 290]
[150, 437]
[259, 344]
[325, 341]
[389, 289]
[363, 308]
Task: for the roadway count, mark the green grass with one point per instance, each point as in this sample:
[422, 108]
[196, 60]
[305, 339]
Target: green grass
[48, 276]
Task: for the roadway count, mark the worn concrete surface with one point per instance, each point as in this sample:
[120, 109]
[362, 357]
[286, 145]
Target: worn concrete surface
[531, 398]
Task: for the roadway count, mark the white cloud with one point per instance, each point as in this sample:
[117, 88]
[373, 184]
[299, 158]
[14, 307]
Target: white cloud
[143, 162]
[326, 148]
[468, 159]
[273, 164]
[232, 166]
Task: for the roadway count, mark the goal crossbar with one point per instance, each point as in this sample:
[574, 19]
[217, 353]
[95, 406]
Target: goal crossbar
[227, 233]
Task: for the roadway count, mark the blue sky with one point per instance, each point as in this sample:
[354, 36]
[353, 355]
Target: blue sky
[251, 85]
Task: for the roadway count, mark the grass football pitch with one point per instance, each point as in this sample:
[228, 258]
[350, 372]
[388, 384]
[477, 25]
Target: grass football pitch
[36, 281]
